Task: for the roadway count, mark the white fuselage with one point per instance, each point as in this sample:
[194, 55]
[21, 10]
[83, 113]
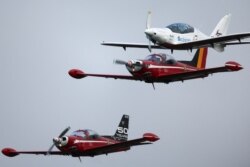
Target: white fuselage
[165, 35]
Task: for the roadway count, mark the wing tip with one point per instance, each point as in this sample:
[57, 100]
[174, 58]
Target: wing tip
[9, 152]
[150, 137]
[76, 73]
[233, 66]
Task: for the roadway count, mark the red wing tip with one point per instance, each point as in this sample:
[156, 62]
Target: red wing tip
[10, 152]
[76, 73]
[150, 137]
[233, 66]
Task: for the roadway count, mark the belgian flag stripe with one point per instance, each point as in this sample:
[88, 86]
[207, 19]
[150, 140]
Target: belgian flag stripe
[200, 58]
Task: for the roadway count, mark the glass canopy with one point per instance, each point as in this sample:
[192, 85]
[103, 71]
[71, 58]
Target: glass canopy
[85, 133]
[181, 28]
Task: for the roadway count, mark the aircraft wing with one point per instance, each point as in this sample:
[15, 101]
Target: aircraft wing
[127, 77]
[147, 138]
[132, 45]
[78, 74]
[210, 42]
[10, 152]
[230, 66]
[42, 152]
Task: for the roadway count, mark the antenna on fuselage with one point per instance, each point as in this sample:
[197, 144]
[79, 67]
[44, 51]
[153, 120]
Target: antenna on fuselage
[153, 85]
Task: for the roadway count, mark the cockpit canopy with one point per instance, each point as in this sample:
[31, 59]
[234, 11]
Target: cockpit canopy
[86, 134]
[161, 58]
[181, 28]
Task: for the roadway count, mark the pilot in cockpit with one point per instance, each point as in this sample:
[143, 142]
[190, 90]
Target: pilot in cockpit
[169, 60]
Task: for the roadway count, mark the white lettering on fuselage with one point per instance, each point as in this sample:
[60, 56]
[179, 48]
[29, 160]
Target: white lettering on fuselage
[171, 67]
[88, 141]
[181, 39]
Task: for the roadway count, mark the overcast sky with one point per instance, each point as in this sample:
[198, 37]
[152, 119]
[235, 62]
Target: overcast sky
[201, 123]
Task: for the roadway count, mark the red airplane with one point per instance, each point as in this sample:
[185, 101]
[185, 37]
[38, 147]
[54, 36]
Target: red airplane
[164, 68]
[89, 143]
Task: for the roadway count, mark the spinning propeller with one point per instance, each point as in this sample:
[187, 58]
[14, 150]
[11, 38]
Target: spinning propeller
[148, 26]
[120, 62]
[54, 142]
[132, 65]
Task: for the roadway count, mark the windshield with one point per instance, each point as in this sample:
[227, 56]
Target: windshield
[158, 58]
[86, 133]
[161, 58]
[79, 133]
[181, 28]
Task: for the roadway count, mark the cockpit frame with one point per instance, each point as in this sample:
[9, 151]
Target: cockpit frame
[161, 58]
[181, 28]
[86, 134]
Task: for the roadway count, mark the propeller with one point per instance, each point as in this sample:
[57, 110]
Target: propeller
[132, 65]
[121, 62]
[148, 26]
[61, 135]
[149, 45]
[64, 132]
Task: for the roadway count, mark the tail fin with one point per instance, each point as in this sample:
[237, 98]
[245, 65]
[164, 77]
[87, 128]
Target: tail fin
[121, 133]
[222, 26]
[199, 60]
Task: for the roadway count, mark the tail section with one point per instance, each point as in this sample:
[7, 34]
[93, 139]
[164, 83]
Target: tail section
[222, 26]
[121, 133]
[199, 60]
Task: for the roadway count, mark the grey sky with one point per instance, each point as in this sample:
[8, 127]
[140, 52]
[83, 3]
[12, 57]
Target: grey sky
[203, 122]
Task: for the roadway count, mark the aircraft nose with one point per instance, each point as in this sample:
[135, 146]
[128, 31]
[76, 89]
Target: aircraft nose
[149, 32]
[134, 65]
[61, 141]
[56, 140]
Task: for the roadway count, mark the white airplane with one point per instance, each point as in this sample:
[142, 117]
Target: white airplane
[181, 36]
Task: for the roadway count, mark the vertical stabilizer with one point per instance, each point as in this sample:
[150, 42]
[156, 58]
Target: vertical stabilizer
[121, 133]
[199, 60]
[222, 26]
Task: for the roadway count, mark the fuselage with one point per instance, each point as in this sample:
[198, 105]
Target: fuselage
[174, 34]
[81, 141]
[157, 65]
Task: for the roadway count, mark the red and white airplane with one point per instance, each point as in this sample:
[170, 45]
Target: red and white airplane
[88, 143]
[163, 68]
[182, 36]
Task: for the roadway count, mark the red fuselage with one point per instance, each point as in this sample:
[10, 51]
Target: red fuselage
[76, 144]
[164, 68]
[152, 70]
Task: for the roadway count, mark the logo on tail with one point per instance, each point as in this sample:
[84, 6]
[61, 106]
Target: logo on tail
[222, 27]
[199, 60]
[121, 133]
